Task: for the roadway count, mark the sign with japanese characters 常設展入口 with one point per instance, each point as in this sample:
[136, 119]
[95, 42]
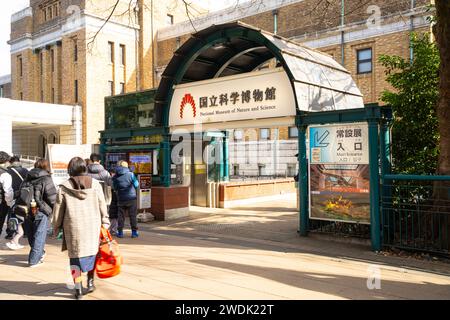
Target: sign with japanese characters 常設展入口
[339, 144]
[264, 94]
[339, 172]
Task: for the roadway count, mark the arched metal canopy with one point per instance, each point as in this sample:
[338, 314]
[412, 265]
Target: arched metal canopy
[318, 81]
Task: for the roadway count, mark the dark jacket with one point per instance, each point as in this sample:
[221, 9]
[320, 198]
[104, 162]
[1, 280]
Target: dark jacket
[98, 172]
[125, 184]
[44, 190]
[16, 180]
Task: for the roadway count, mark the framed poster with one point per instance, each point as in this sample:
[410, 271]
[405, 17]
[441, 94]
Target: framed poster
[141, 162]
[340, 193]
[339, 178]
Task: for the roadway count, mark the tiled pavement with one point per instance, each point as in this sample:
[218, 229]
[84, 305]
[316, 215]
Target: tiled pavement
[250, 253]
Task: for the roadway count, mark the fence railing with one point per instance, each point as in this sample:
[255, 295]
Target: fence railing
[416, 213]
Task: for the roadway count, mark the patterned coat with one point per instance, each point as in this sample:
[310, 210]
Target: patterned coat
[80, 213]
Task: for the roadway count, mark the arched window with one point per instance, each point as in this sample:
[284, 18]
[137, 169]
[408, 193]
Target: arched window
[42, 146]
[52, 139]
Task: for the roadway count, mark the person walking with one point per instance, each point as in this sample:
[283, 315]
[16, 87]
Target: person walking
[80, 211]
[98, 172]
[18, 174]
[125, 184]
[35, 224]
[113, 210]
[6, 190]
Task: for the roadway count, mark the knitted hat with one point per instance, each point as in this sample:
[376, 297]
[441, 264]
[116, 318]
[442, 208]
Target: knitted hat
[124, 164]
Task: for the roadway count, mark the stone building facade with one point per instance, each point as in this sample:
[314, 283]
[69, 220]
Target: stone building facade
[355, 35]
[63, 52]
[55, 60]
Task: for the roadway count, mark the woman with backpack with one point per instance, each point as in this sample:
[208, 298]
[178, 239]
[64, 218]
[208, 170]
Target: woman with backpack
[42, 202]
[80, 211]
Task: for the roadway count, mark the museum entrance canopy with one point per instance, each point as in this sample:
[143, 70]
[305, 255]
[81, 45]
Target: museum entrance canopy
[224, 54]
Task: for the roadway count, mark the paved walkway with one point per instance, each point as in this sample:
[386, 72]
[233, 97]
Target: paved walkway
[253, 254]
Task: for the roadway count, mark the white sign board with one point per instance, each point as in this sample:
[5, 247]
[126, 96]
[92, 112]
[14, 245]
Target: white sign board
[256, 95]
[339, 144]
[59, 156]
[145, 198]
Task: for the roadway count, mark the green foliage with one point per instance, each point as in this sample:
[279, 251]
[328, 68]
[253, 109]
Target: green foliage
[415, 136]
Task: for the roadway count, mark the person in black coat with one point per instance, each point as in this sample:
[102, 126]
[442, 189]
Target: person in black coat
[45, 197]
[18, 175]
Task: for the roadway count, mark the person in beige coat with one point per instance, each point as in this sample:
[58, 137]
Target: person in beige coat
[80, 211]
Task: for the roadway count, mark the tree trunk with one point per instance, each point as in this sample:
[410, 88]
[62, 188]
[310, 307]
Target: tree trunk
[442, 190]
[442, 34]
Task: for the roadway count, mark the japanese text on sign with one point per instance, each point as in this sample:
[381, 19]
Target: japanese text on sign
[340, 144]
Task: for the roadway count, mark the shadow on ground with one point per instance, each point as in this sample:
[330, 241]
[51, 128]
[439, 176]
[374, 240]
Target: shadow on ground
[335, 285]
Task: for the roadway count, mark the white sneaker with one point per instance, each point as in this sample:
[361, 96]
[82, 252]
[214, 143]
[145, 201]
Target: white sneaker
[14, 246]
[36, 265]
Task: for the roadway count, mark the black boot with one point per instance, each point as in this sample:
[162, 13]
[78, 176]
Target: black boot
[90, 284]
[79, 293]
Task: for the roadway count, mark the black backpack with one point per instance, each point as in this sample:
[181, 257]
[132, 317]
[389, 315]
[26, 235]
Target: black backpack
[22, 206]
[2, 191]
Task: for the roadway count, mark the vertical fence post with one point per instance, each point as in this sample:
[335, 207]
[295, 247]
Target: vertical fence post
[386, 191]
[375, 226]
[165, 148]
[226, 161]
[303, 181]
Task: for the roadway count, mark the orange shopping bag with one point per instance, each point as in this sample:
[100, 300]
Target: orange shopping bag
[109, 259]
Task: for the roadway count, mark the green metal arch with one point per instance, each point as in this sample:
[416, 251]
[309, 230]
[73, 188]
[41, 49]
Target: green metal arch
[218, 37]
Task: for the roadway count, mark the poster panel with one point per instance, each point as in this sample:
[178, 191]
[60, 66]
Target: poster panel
[59, 156]
[340, 192]
[346, 143]
[141, 162]
[145, 191]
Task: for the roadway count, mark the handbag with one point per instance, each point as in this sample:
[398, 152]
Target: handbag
[109, 260]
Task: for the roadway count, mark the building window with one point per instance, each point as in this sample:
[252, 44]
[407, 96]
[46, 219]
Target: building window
[2, 94]
[122, 88]
[111, 51]
[75, 51]
[238, 134]
[42, 95]
[364, 60]
[53, 95]
[20, 65]
[264, 134]
[50, 13]
[111, 88]
[52, 57]
[21, 96]
[122, 53]
[41, 62]
[76, 91]
[293, 132]
[169, 19]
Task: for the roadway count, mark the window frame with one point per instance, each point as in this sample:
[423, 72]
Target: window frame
[76, 92]
[290, 135]
[171, 20]
[111, 88]
[111, 53]
[122, 54]
[261, 130]
[358, 61]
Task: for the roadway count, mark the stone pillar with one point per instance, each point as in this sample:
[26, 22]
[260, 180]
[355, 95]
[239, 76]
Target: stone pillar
[6, 134]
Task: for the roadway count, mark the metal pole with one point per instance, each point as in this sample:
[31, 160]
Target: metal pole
[375, 224]
[226, 161]
[165, 148]
[303, 181]
[386, 193]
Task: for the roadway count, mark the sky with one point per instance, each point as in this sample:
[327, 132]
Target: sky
[12, 6]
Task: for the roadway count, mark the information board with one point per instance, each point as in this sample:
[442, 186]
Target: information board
[339, 179]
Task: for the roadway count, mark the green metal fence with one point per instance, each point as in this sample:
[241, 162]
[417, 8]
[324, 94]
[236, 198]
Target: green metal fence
[415, 213]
